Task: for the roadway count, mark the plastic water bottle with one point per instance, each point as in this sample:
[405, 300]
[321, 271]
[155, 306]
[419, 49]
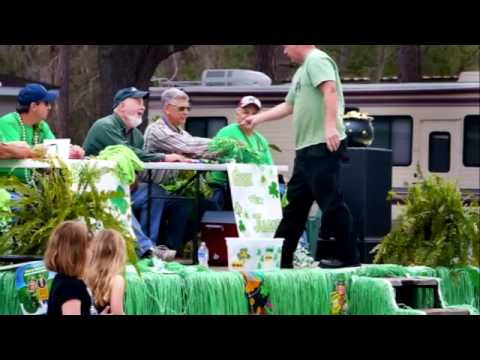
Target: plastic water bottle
[203, 254]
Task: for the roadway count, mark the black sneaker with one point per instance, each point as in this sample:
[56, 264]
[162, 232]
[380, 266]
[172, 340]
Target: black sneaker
[336, 264]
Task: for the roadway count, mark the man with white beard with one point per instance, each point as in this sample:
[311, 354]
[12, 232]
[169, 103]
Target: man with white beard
[121, 128]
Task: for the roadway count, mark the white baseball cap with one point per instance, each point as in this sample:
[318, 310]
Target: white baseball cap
[250, 100]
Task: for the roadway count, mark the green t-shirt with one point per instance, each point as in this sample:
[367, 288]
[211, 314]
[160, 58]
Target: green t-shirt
[308, 102]
[255, 141]
[11, 130]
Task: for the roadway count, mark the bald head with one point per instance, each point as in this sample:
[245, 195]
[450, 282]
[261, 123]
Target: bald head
[297, 53]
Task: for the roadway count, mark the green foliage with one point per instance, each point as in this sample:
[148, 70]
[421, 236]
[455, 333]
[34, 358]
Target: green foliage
[184, 185]
[127, 162]
[229, 149]
[53, 199]
[435, 229]
[275, 148]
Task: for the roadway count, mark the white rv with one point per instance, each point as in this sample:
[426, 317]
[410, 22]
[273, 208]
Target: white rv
[435, 124]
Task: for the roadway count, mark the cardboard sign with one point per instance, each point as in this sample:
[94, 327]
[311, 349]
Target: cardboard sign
[33, 283]
[256, 199]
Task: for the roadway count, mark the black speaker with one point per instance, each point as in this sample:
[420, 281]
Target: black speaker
[365, 180]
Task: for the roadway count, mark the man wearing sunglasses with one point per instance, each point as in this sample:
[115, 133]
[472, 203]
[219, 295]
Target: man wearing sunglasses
[167, 135]
[27, 125]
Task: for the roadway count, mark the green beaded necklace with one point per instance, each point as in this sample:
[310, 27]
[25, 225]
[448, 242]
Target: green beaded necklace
[35, 141]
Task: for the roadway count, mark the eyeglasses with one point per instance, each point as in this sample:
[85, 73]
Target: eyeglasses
[182, 108]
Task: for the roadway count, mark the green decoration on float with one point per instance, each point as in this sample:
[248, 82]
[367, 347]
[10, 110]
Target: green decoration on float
[127, 162]
[56, 196]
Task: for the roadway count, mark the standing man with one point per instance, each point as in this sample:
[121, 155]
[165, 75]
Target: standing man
[316, 102]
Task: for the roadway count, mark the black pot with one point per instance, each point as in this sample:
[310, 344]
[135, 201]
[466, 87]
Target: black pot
[360, 132]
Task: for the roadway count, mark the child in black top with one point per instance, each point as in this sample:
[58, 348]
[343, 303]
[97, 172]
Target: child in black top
[67, 255]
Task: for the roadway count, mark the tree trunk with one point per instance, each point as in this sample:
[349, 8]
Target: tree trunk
[265, 60]
[409, 63]
[345, 52]
[62, 78]
[121, 66]
[377, 72]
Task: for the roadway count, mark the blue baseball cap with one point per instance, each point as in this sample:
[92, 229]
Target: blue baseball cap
[35, 92]
[131, 92]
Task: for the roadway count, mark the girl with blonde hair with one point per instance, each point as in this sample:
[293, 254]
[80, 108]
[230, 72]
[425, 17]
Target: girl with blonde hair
[105, 271]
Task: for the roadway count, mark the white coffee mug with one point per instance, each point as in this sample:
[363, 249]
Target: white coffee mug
[59, 147]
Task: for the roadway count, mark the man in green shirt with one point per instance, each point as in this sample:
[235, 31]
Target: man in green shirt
[249, 105]
[316, 102]
[27, 124]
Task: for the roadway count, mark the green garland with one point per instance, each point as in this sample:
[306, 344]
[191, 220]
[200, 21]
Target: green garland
[229, 149]
[180, 187]
[370, 296]
[215, 293]
[9, 302]
[195, 290]
[153, 294]
[299, 292]
[127, 162]
[5, 211]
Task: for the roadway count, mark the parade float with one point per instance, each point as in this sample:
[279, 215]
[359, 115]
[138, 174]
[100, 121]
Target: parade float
[431, 253]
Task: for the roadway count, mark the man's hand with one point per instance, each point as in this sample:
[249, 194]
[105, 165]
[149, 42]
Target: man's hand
[177, 158]
[11, 151]
[249, 123]
[76, 152]
[332, 138]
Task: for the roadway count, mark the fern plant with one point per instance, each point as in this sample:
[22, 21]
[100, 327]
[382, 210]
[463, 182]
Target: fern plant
[55, 196]
[436, 228]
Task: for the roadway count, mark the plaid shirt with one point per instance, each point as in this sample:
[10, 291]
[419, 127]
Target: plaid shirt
[161, 136]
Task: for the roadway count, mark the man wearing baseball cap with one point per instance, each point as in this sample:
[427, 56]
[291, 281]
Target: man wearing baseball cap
[248, 105]
[28, 123]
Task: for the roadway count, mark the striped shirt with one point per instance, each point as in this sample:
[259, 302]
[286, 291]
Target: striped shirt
[161, 136]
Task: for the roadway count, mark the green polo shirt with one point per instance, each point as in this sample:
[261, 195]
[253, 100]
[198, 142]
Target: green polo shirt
[255, 142]
[308, 101]
[11, 130]
[111, 130]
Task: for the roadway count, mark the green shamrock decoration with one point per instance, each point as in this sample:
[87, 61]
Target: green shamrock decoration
[273, 190]
[242, 226]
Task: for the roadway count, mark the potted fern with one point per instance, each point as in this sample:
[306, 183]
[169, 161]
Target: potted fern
[436, 228]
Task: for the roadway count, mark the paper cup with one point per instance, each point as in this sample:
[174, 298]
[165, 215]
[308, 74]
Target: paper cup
[59, 147]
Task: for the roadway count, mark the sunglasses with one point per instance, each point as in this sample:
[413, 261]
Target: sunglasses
[182, 108]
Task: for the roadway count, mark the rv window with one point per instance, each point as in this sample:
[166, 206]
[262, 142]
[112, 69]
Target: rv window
[439, 152]
[471, 143]
[204, 126]
[395, 133]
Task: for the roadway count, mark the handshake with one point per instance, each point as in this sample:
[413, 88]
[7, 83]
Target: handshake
[248, 123]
